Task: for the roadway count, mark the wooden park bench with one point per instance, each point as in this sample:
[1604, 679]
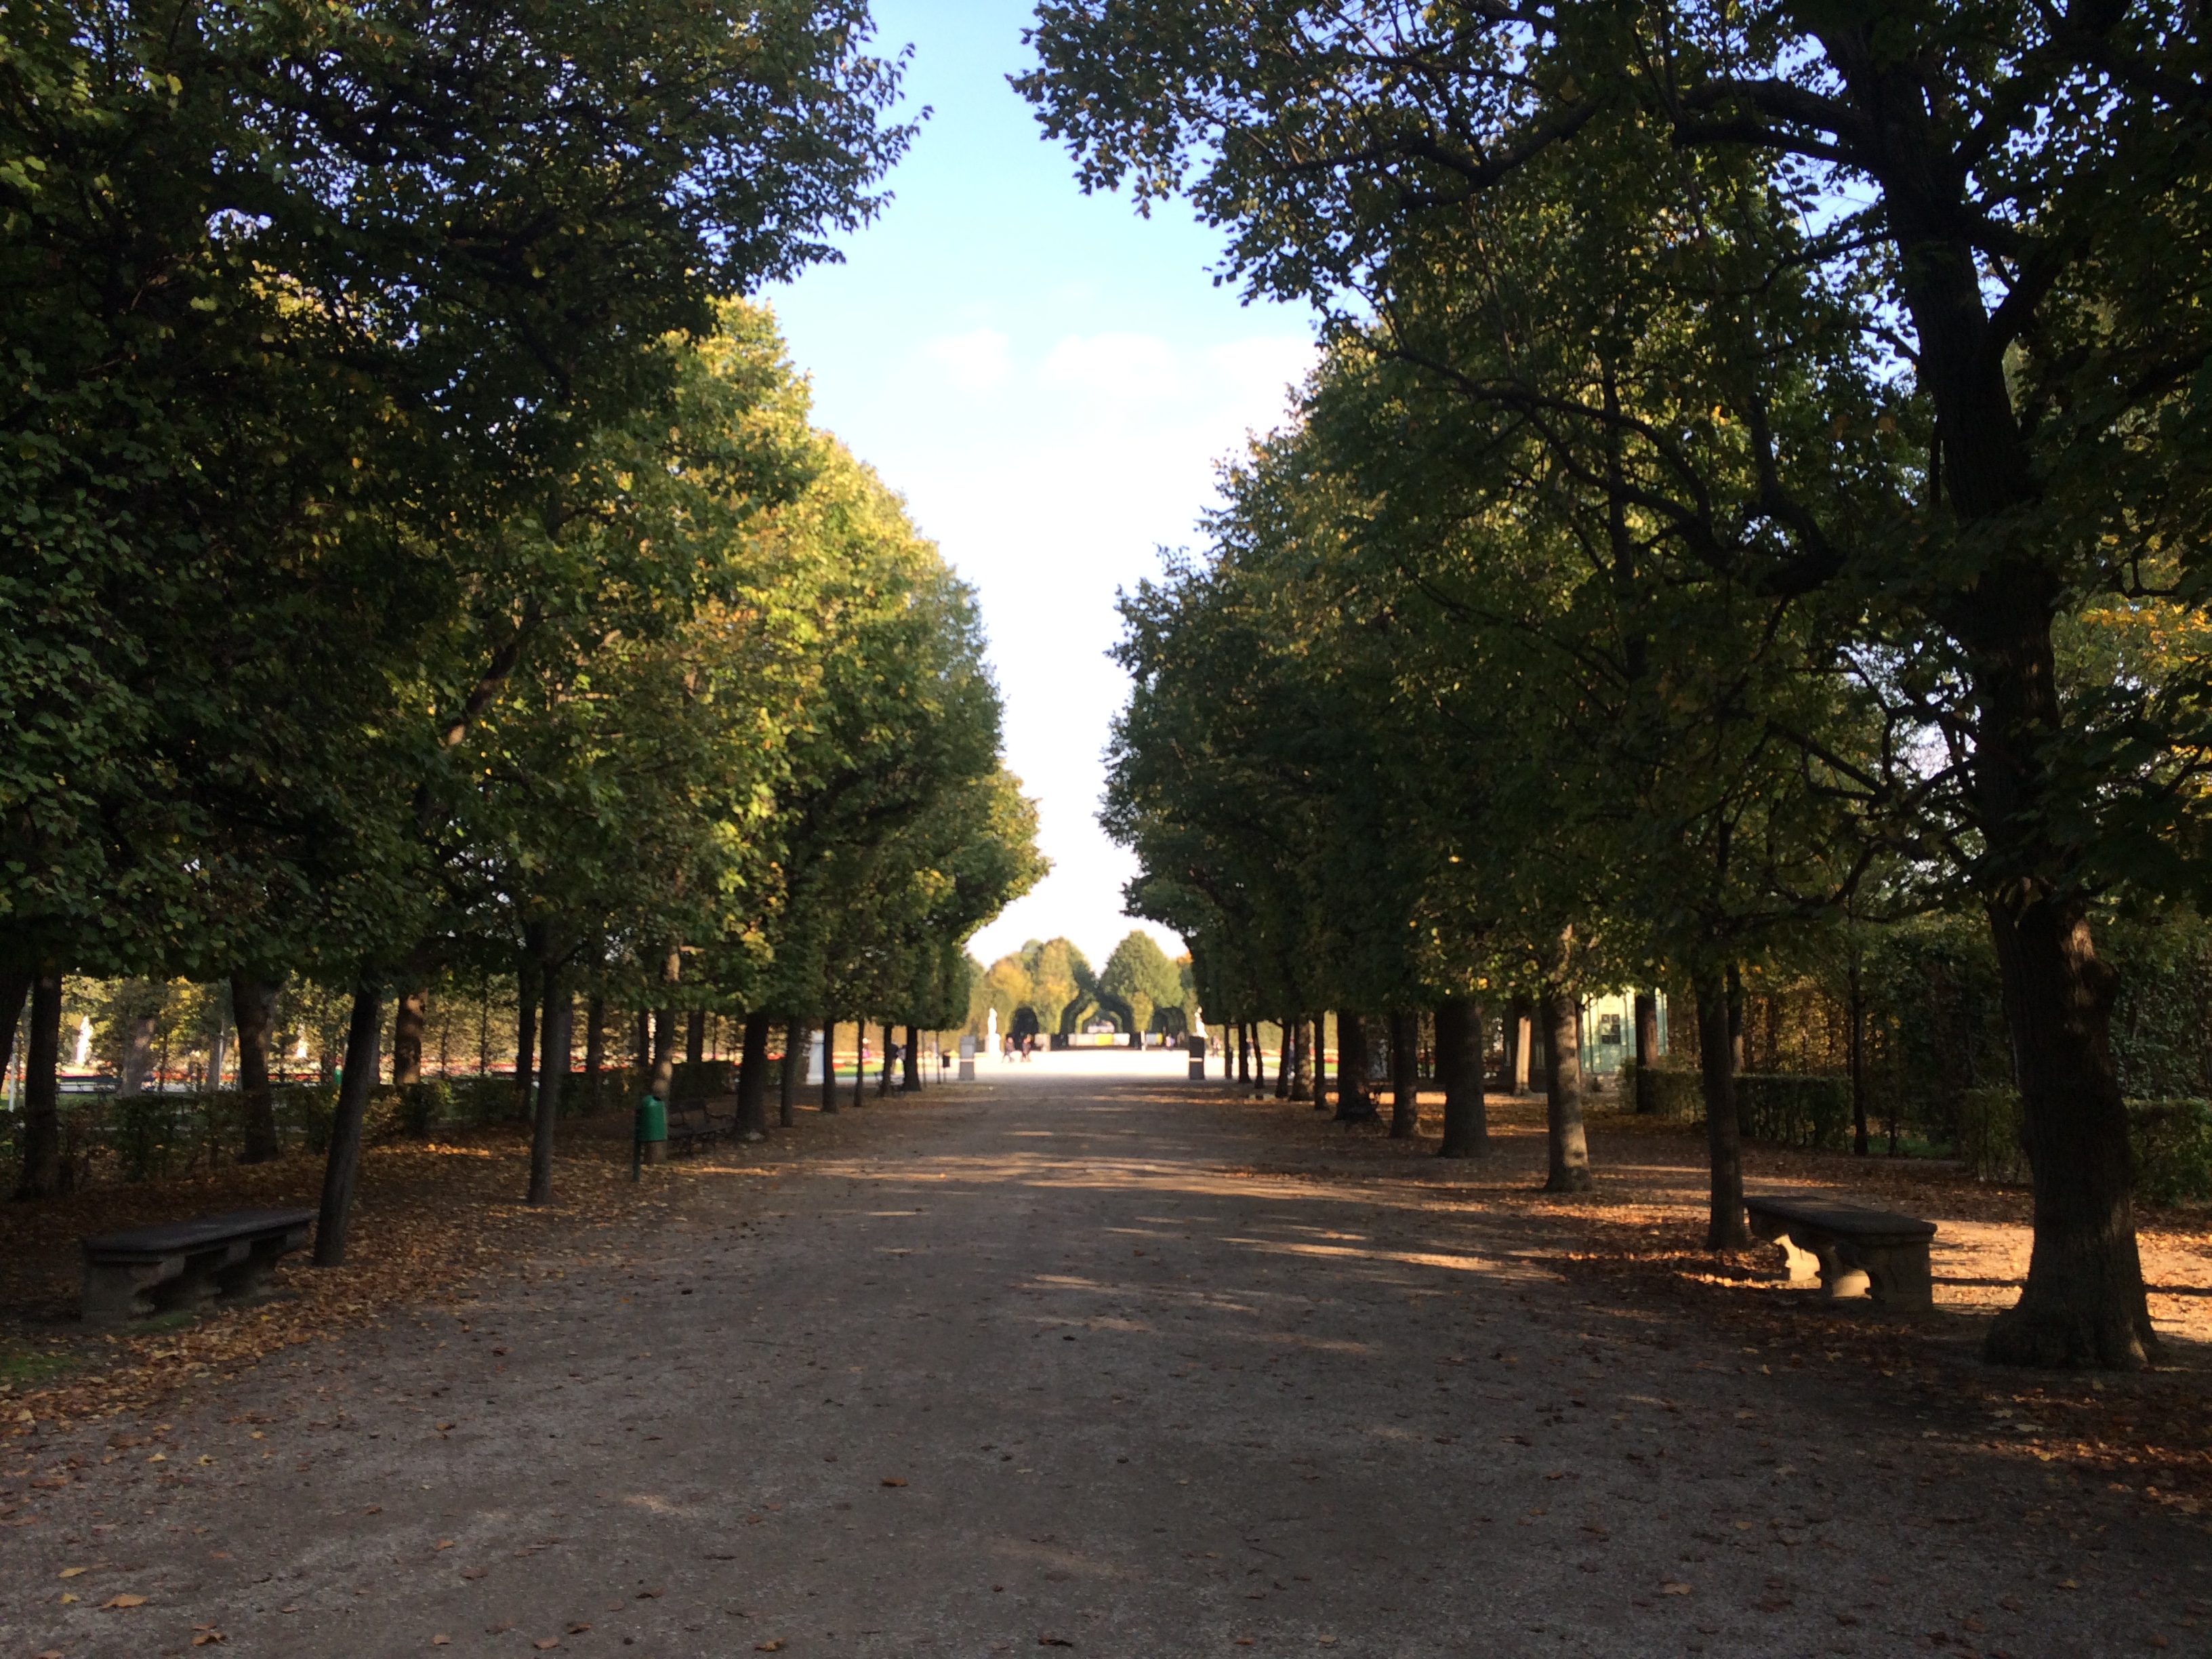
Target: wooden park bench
[187, 1265]
[693, 1124]
[1854, 1247]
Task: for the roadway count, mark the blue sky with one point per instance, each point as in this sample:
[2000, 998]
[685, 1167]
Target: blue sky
[1050, 381]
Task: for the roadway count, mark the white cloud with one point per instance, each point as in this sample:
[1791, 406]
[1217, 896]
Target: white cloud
[1249, 373]
[1127, 368]
[978, 361]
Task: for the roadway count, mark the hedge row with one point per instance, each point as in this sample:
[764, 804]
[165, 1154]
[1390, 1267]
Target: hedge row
[1789, 1108]
[140, 1136]
[2170, 1141]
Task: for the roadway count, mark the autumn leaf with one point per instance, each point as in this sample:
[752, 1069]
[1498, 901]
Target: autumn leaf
[441, 1641]
[769, 1647]
[126, 1600]
[545, 1642]
[893, 1480]
[72, 1572]
[1673, 1588]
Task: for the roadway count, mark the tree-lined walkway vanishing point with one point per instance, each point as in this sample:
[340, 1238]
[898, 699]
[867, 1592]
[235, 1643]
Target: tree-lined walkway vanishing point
[1123, 1365]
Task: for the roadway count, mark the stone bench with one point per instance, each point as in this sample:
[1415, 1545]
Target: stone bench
[187, 1265]
[1854, 1247]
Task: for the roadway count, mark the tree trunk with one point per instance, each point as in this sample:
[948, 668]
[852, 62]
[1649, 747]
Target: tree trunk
[1259, 1061]
[1735, 1018]
[137, 1050]
[1321, 1063]
[41, 1175]
[552, 1082]
[1405, 1075]
[1647, 1046]
[829, 1065]
[526, 1035]
[595, 1048]
[884, 1083]
[1519, 1029]
[695, 1038]
[1726, 1228]
[253, 1007]
[14, 991]
[797, 1034]
[752, 1079]
[1354, 1105]
[910, 1062]
[1855, 1012]
[859, 1061]
[2084, 1304]
[643, 1052]
[341, 1171]
[1299, 1084]
[408, 1019]
[662, 1080]
[1243, 1051]
[1459, 1069]
[1568, 1151]
[1286, 1055]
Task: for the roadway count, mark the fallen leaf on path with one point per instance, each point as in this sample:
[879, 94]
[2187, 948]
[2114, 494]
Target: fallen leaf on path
[1053, 1642]
[67, 1598]
[768, 1647]
[444, 1543]
[208, 1635]
[893, 1480]
[472, 1572]
[1673, 1588]
[578, 1629]
[441, 1641]
[123, 1600]
[544, 1642]
[72, 1572]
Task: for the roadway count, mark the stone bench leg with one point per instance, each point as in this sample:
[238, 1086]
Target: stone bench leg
[193, 1290]
[1840, 1277]
[1900, 1274]
[118, 1293]
[247, 1280]
[1804, 1265]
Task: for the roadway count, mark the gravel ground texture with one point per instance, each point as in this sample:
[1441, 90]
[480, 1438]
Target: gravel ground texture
[1113, 1363]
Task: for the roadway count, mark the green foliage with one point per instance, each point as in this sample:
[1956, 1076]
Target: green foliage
[2169, 1142]
[1795, 1111]
[1141, 980]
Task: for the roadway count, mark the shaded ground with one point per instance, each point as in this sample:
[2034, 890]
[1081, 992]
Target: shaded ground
[1138, 1368]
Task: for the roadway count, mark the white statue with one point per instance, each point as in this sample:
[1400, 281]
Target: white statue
[1197, 1024]
[994, 1048]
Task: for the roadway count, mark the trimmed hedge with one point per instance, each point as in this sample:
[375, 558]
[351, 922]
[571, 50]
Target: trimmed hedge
[1675, 1094]
[2171, 1142]
[144, 1136]
[1795, 1111]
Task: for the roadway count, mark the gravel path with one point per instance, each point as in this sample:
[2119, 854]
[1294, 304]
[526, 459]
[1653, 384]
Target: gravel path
[1070, 1361]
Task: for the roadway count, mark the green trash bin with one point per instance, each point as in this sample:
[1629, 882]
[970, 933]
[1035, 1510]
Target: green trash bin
[650, 1145]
